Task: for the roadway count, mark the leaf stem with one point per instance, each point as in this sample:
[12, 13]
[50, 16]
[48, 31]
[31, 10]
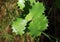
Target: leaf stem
[46, 35]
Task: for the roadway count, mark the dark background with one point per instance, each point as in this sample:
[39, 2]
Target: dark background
[53, 13]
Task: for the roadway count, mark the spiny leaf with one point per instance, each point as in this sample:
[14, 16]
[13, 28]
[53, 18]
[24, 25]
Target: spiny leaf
[39, 21]
[19, 26]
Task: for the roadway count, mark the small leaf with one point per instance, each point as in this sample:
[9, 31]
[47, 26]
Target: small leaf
[19, 26]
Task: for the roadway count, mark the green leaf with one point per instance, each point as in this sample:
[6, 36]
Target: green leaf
[39, 21]
[38, 7]
[19, 26]
[21, 4]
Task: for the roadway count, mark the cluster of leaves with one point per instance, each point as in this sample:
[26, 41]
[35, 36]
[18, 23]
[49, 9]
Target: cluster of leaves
[39, 21]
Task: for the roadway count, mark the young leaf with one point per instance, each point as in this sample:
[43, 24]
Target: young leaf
[19, 26]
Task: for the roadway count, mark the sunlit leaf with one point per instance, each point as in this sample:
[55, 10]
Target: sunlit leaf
[19, 26]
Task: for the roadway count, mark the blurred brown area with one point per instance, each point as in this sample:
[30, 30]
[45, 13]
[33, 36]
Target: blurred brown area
[8, 12]
[7, 8]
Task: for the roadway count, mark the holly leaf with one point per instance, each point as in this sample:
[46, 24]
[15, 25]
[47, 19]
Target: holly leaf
[39, 21]
[18, 26]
